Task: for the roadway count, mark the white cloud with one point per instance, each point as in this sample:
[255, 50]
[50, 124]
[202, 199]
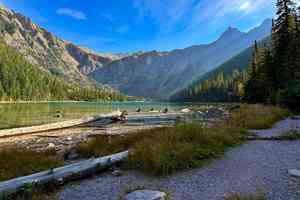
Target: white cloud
[236, 9]
[166, 13]
[169, 13]
[79, 15]
[246, 6]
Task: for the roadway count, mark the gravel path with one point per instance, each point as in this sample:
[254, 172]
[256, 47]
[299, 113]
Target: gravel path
[280, 128]
[257, 165]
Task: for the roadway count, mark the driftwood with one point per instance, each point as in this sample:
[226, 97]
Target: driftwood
[54, 126]
[63, 174]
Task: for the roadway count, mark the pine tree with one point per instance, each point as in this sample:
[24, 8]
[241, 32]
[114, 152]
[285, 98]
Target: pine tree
[283, 33]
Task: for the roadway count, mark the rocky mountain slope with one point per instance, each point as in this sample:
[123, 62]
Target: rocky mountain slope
[161, 74]
[46, 50]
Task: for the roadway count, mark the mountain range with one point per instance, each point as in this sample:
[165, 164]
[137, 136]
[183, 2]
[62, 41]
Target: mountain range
[151, 74]
[161, 74]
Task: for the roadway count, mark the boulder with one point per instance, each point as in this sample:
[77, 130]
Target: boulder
[51, 146]
[294, 173]
[146, 195]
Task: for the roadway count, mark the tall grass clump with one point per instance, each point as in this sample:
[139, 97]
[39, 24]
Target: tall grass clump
[21, 162]
[181, 147]
[257, 116]
[106, 145]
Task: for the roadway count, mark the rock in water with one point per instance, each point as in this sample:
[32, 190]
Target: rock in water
[186, 110]
[166, 110]
[146, 195]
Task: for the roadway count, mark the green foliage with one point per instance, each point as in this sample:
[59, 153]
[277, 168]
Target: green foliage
[224, 84]
[21, 162]
[275, 71]
[10, 28]
[293, 135]
[56, 71]
[20, 80]
[218, 88]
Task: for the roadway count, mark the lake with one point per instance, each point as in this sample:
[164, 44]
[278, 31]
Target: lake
[14, 115]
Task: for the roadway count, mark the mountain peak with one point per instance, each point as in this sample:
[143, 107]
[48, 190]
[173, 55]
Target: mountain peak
[230, 34]
[231, 31]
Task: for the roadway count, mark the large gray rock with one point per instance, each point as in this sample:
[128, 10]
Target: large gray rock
[146, 195]
[294, 173]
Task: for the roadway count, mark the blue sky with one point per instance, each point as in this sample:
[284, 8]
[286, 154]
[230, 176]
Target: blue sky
[132, 25]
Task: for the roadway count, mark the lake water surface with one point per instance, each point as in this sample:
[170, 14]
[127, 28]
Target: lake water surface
[26, 114]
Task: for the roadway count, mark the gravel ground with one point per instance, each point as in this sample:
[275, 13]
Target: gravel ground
[280, 128]
[257, 165]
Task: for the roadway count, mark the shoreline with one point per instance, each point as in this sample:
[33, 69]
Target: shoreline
[64, 101]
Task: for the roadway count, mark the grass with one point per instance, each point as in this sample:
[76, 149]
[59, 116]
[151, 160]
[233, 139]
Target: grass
[293, 135]
[161, 151]
[182, 147]
[246, 197]
[103, 145]
[257, 116]
[31, 192]
[21, 162]
[164, 151]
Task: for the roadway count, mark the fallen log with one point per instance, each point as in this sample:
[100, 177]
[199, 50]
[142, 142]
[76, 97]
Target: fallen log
[61, 175]
[54, 126]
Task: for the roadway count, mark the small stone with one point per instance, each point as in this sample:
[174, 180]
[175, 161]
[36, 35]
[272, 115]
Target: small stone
[51, 146]
[146, 195]
[117, 173]
[186, 110]
[294, 172]
[69, 139]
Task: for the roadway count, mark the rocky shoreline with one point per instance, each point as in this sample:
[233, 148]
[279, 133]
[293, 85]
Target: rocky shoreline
[64, 141]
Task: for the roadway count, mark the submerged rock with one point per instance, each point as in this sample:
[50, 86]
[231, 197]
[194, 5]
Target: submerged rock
[146, 195]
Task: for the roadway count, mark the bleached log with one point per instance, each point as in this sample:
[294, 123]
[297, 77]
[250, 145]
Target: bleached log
[54, 126]
[63, 174]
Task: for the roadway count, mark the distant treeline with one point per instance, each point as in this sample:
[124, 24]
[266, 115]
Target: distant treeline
[223, 84]
[271, 76]
[20, 80]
